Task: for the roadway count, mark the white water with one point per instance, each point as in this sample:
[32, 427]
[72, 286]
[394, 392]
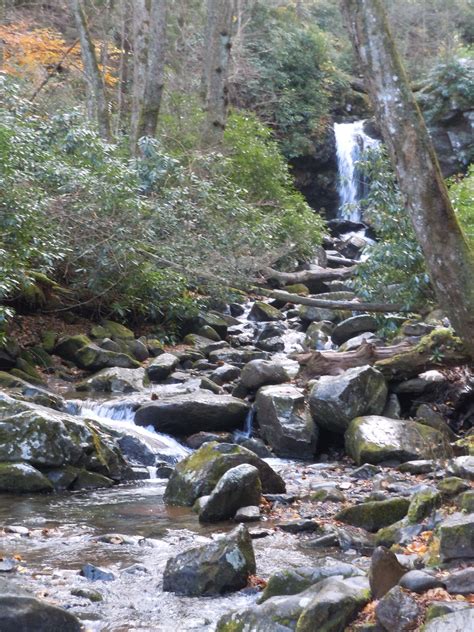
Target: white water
[351, 142]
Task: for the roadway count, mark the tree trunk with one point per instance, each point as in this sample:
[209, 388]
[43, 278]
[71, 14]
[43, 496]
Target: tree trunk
[92, 72]
[155, 69]
[449, 259]
[354, 306]
[305, 276]
[141, 27]
[122, 86]
[216, 68]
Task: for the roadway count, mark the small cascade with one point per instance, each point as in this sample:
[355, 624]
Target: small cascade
[351, 143]
[246, 433]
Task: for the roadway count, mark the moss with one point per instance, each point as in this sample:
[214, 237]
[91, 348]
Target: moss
[28, 369]
[467, 501]
[67, 346]
[7, 380]
[230, 626]
[26, 377]
[373, 516]
[452, 486]
[297, 288]
[284, 583]
[48, 341]
[466, 444]
[423, 504]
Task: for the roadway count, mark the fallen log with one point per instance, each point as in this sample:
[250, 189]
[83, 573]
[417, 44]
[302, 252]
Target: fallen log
[305, 276]
[397, 362]
[354, 306]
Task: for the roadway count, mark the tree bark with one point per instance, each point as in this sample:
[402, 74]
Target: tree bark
[92, 72]
[140, 32]
[155, 73]
[354, 306]
[216, 68]
[449, 259]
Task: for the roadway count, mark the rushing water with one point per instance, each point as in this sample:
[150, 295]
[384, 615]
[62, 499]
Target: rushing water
[351, 142]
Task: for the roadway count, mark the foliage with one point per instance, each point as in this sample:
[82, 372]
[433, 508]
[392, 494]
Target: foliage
[148, 237]
[462, 197]
[394, 270]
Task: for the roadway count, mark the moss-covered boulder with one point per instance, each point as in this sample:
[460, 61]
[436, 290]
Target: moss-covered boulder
[112, 330]
[375, 515]
[375, 439]
[94, 358]
[115, 380]
[211, 321]
[219, 567]
[199, 473]
[336, 400]
[457, 537]
[263, 312]
[401, 532]
[297, 288]
[67, 346]
[21, 478]
[423, 504]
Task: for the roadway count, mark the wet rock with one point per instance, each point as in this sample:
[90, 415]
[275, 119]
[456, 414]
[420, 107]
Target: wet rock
[198, 439]
[263, 312]
[92, 358]
[336, 400]
[225, 374]
[423, 504]
[161, 367]
[238, 357]
[238, 487]
[365, 472]
[373, 516]
[292, 582]
[459, 621]
[353, 326]
[463, 466]
[397, 611]
[461, 582]
[67, 346]
[247, 514]
[21, 613]
[254, 445]
[63, 478]
[423, 466]
[21, 478]
[236, 309]
[212, 321]
[258, 373]
[219, 567]
[114, 380]
[304, 525]
[452, 486]
[284, 421]
[96, 574]
[90, 480]
[198, 474]
[328, 605]
[375, 439]
[457, 537]
[420, 581]
[194, 412]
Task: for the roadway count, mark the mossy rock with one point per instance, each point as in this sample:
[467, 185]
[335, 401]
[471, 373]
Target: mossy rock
[113, 330]
[63, 478]
[29, 369]
[67, 346]
[208, 332]
[48, 341]
[400, 532]
[7, 380]
[423, 504]
[452, 486]
[41, 357]
[297, 288]
[90, 480]
[263, 312]
[467, 501]
[198, 474]
[375, 515]
[93, 358]
[26, 377]
[22, 478]
[466, 444]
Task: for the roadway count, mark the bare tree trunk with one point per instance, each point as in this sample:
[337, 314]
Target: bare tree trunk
[216, 68]
[92, 72]
[449, 259]
[123, 65]
[155, 72]
[141, 25]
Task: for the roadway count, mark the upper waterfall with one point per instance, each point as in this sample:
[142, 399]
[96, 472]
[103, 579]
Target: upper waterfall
[351, 142]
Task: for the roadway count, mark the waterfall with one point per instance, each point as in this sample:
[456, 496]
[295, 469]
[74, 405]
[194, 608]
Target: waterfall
[351, 142]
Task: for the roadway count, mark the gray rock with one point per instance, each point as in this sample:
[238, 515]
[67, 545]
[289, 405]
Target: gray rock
[254, 445]
[355, 343]
[284, 422]
[424, 383]
[114, 380]
[225, 373]
[353, 326]
[462, 466]
[96, 574]
[467, 501]
[457, 537]
[257, 373]
[199, 473]
[247, 514]
[318, 335]
[423, 504]
[397, 611]
[21, 478]
[219, 567]
[68, 346]
[365, 472]
[385, 571]
[90, 480]
[263, 312]
[425, 414]
[375, 439]
[336, 400]
[303, 525]
[194, 412]
[460, 621]
[423, 466]
[238, 487]
[375, 515]
[393, 407]
[198, 439]
[461, 582]
[239, 357]
[161, 367]
[420, 582]
[25, 614]
[311, 314]
[440, 608]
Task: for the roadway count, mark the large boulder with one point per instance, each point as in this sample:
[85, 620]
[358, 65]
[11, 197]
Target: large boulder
[22, 478]
[161, 367]
[263, 312]
[238, 487]
[194, 412]
[285, 423]
[68, 346]
[375, 515]
[336, 400]
[375, 439]
[91, 357]
[219, 567]
[25, 614]
[456, 535]
[353, 326]
[114, 380]
[257, 373]
[199, 473]
[328, 606]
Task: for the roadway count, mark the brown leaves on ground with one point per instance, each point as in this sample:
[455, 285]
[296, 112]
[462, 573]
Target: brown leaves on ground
[256, 582]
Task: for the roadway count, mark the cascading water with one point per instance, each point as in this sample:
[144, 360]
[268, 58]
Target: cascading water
[351, 143]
